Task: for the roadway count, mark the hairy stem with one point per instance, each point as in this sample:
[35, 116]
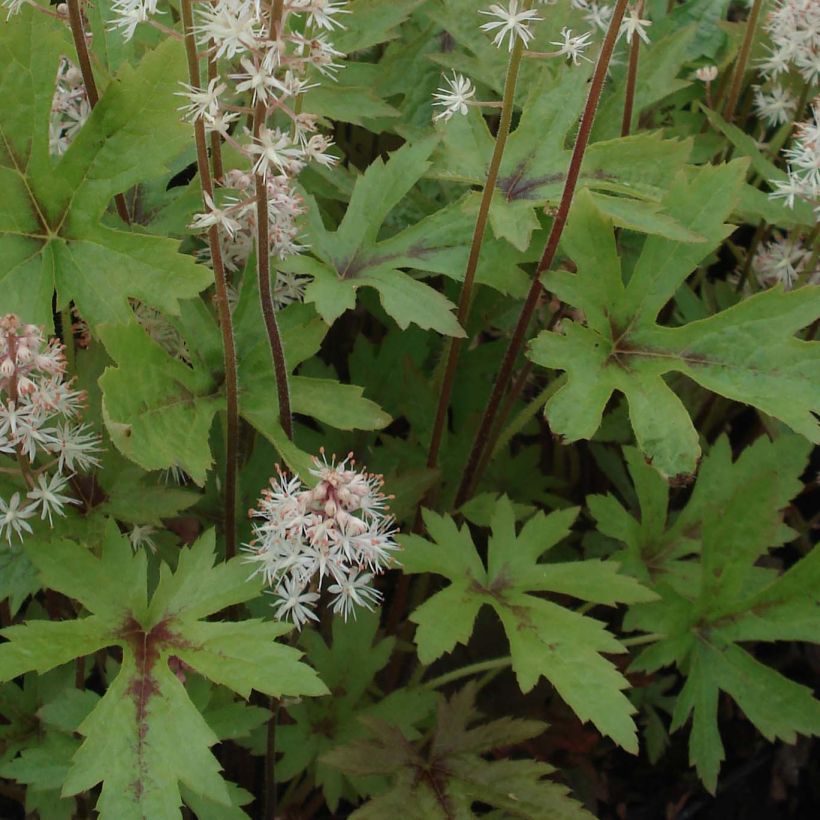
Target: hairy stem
[222, 306]
[742, 61]
[466, 297]
[216, 140]
[631, 78]
[75, 17]
[263, 261]
[520, 332]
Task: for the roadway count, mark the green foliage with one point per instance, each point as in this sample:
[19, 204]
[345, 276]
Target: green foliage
[135, 667]
[348, 667]
[535, 161]
[52, 229]
[139, 763]
[545, 638]
[747, 353]
[714, 593]
[445, 774]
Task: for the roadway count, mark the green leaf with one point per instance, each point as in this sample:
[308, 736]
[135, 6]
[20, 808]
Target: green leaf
[545, 638]
[157, 409]
[714, 595]
[800, 215]
[747, 353]
[536, 158]
[338, 405]
[462, 776]
[51, 236]
[139, 763]
[352, 257]
[348, 665]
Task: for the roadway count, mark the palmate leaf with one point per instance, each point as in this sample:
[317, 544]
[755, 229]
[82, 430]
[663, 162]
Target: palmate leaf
[545, 638]
[536, 158]
[159, 410]
[145, 736]
[348, 667]
[444, 774]
[51, 235]
[720, 598]
[353, 256]
[38, 740]
[747, 353]
[329, 401]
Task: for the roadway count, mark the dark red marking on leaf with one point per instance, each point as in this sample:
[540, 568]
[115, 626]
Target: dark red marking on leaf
[518, 186]
[146, 648]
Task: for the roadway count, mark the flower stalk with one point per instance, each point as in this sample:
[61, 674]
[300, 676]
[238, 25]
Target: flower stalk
[263, 255]
[223, 308]
[631, 79]
[520, 332]
[75, 18]
[742, 61]
[466, 297]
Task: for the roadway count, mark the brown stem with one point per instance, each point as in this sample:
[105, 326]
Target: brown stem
[216, 140]
[465, 300]
[520, 332]
[631, 78]
[223, 308]
[263, 262]
[75, 17]
[742, 61]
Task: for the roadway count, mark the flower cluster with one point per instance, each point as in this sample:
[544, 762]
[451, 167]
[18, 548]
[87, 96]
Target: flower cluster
[273, 55]
[793, 27]
[803, 164]
[39, 426]
[69, 108]
[338, 532]
[512, 23]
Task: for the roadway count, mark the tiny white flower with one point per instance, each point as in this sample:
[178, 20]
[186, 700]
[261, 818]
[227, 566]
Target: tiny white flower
[511, 22]
[632, 24]
[573, 47]
[353, 591]
[75, 447]
[13, 6]
[276, 152]
[707, 73]
[294, 603]
[598, 14]
[202, 102]
[47, 494]
[776, 107]
[13, 517]
[220, 217]
[454, 97]
[141, 535]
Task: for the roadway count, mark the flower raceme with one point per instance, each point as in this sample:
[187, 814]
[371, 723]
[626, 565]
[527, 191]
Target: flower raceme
[39, 426]
[276, 55]
[339, 533]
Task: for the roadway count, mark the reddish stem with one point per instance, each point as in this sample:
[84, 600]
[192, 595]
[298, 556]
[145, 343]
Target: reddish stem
[75, 18]
[631, 78]
[223, 308]
[520, 332]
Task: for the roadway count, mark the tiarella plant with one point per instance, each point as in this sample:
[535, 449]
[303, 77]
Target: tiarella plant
[549, 268]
